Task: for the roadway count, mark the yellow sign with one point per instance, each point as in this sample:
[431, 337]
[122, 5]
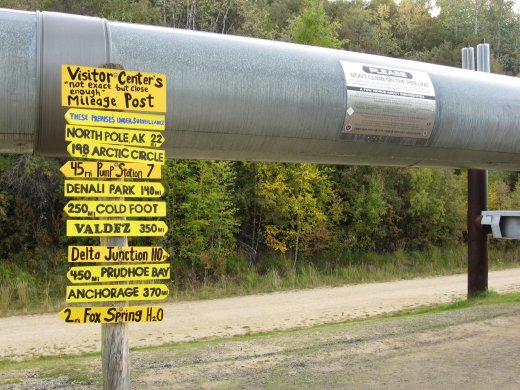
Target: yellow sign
[118, 273]
[95, 228]
[126, 120]
[104, 135]
[112, 89]
[117, 292]
[95, 151]
[114, 254]
[111, 189]
[106, 208]
[110, 170]
[111, 315]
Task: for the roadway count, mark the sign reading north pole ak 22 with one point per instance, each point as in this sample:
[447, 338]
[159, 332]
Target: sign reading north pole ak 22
[146, 138]
[112, 89]
[111, 315]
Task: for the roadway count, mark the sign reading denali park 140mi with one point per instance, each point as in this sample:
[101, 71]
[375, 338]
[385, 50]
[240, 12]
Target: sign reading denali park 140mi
[112, 89]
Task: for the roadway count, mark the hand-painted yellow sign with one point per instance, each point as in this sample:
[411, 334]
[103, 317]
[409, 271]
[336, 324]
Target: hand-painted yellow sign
[106, 228]
[117, 292]
[111, 315]
[113, 254]
[118, 273]
[110, 170]
[112, 89]
[106, 208]
[111, 189]
[110, 152]
[125, 120]
[105, 135]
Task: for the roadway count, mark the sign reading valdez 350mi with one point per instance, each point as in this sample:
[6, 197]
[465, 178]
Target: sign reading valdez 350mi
[111, 228]
[112, 89]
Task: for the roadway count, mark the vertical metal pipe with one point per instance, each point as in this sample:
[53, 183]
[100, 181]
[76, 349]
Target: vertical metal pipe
[477, 202]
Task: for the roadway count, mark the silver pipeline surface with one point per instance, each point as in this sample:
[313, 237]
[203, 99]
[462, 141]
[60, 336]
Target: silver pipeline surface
[240, 98]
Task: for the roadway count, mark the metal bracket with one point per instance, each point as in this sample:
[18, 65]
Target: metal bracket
[504, 223]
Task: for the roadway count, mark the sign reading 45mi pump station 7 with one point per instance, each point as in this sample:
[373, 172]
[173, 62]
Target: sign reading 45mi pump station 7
[103, 125]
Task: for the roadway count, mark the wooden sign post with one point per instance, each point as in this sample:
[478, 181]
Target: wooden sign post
[123, 142]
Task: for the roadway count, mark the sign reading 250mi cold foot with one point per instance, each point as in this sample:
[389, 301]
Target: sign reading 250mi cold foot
[112, 89]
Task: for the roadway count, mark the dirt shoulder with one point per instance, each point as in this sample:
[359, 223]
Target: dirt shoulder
[24, 337]
[470, 348]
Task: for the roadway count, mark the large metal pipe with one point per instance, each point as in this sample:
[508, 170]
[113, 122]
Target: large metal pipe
[247, 99]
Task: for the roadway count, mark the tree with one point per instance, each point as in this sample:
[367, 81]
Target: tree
[314, 27]
[202, 216]
[299, 206]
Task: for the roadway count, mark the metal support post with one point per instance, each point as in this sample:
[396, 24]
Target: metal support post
[477, 197]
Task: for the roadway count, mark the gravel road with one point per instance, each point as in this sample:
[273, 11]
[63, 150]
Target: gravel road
[23, 337]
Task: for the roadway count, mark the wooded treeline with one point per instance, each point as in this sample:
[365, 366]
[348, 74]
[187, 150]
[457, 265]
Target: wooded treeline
[224, 216]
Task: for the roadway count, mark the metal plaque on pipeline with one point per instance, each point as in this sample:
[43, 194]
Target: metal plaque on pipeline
[125, 120]
[118, 273]
[114, 254]
[112, 89]
[113, 189]
[111, 315]
[115, 228]
[104, 135]
[107, 208]
[97, 151]
[385, 103]
[110, 170]
[117, 292]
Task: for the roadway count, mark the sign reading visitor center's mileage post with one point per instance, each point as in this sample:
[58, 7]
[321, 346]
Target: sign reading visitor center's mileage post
[115, 125]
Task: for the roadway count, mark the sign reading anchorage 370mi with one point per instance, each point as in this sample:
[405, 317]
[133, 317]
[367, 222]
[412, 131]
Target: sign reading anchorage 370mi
[112, 89]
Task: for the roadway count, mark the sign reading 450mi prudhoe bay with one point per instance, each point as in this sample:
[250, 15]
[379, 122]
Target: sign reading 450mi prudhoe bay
[112, 89]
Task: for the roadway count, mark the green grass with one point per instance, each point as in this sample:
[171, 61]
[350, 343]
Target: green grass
[21, 292]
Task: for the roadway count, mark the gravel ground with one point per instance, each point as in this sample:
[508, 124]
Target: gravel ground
[472, 348]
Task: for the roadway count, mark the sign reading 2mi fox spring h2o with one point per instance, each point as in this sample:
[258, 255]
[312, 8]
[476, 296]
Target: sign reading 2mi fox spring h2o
[115, 118]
